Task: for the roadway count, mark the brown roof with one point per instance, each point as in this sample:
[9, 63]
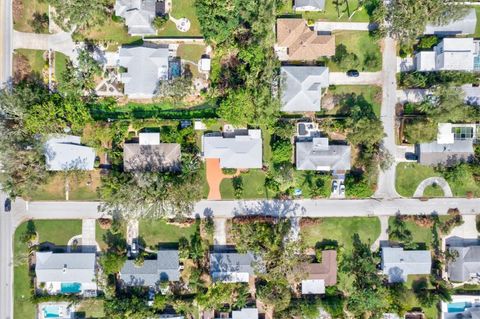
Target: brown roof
[327, 270]
[302, 42]
[151, 158]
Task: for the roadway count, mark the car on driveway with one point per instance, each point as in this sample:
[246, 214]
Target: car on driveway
[334, 186]
[353, 73]
[342, 188]
[7, 207]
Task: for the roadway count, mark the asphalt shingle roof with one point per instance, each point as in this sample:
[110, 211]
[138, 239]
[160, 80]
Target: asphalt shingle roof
[151, 158]
[445, 154]
[324, 157]
[138, 15]
[467, 262]
[65, 267]
[223, 265]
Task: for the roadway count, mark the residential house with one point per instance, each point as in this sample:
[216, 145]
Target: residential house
[296, 41]
[466, 264]
[149, 155]
[139, 15]
[145, 66]
[317, 154]
[245, 313]
[66, 273]
[451, 54]
[302, 87]
[454, 144]
[465, 25]
[232, 267]
[398, 264]
[321, 275]
[65, 152]
[152, 272]
[309, 5]
[235, 149]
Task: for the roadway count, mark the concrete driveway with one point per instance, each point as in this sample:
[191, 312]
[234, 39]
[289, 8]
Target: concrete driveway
[365, 78]
[440, 181]
[60, 42]
[352, 26]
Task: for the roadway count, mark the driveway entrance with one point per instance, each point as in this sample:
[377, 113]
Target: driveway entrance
[215, 177]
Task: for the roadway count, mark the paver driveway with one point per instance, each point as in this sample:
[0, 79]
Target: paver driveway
[215, 177]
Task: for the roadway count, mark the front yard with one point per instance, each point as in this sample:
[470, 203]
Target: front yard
[253, 185]
[341, 229]
[157, 231]
[23, 11]
[370, 93]
[345, 11]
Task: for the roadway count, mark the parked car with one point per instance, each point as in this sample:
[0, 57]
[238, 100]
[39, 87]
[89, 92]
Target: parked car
[7, 205]
[334, 186]
[353, 73]
[134, 247]
[342, 188]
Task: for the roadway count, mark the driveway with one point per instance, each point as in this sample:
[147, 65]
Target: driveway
[365, 78]
[220, 234]
[440, 181]
[352, 26]
[214, 177]
[88, 234]
[60, 42]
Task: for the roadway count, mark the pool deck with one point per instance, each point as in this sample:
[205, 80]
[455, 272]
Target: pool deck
[66, 308]
[475, 300]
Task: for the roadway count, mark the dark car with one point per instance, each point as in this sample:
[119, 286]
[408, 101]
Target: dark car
[353, 73]
[8, 205]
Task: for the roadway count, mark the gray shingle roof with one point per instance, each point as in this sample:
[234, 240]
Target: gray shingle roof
[65, 267]
[445, 154]
[146, 65]
[165, 267]
[152, 158]
[223, 266]
[310, 4]
[237, 151]
[467, 262]
[64, 152]
[465, 25]
[302, 87]
[397, 264]
[138, 15]
[318, 155]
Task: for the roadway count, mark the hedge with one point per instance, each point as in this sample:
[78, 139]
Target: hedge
[425, 80]
[139, 113]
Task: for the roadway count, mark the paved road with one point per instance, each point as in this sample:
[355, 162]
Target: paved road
[6, 27]
[365, 78]
[352, 26]
[386, 179]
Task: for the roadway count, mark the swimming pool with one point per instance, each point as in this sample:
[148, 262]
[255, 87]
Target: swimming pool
[51, 311]
[71, 288]
[458, 306]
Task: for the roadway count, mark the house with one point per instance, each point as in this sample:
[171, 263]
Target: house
[296, 41]
[454, 144]
[66, 273]
[451, 54]
[302, 87]
[65, 152]
[152, 272]
[309, 5]
[232, 267]
[466, 264]
[321, 275]
[465, 25]
[139, 15]
[145, 66]
[398, 264]
[235, 149]
[149, 155]
[317, 154]
[245, 313]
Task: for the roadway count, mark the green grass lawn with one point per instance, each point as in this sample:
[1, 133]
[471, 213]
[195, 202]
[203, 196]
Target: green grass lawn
[158, 231]
[182, 9]
[477, 27]
[83, 188]
[433, 191]
[99, 232]
[409, 176]
[55, 231]
[371, 93]
[61, 61]
[422, 235]
[35, 59]
[331, 13]
[307, 180]
[90, 308]
[360, 43]
[21, 21]
[253, 185]
[191, 52]
[342, 229]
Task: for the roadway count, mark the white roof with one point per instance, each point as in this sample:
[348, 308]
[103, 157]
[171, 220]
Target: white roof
[465, 25]
[146, 66]
[455, 54]
[397, 264]
[425, 61]
[149, 138]
[64, 152]
[301, 87]
[313, 286]
[65, 267]
[245, 313]
[205, 64]
[138, 15]
[445, 134]
[235, 151]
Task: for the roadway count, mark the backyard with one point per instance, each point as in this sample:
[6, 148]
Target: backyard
[191, 52]
[182, 9]
[341, 12]
[341, 230]
[55, 231]
[158, 231]
[90, 309]
[23, 11]
[370, 93]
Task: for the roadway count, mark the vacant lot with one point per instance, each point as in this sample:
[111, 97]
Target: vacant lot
[342, 229]
[157, 231]
[344, 11]
[23, 11]
[370, 93]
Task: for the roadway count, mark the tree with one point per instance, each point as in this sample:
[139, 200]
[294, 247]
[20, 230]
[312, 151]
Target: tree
[345, 59]
[39, 23]
[281, 151]
[80, 14]
[174, 90]
[428, 42]
[160, 302]
[419, 131]
[237, 107]
[160, 21]
[112, 262]
[127, 307]
[276, 295]
[399, 231]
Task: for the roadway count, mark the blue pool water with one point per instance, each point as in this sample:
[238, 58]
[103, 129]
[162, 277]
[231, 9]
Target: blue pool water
[51, 312]
[458, 306]
[174, 69]
[71, 288]
[476, 62]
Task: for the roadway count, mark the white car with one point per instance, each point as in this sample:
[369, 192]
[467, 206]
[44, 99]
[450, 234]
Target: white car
[342, 189]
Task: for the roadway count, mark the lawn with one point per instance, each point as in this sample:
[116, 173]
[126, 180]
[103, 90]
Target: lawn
[360, 43]
[35, 59]
[371, 93]
[306, 181]
[331, 13]
[182, 9]
[55, 231]
[23, 14]
[61, 61]
[158, 231]
[477, 27]
[90, 308]
[253, 185]
[191, 52]
[422, 235]
[341, 229]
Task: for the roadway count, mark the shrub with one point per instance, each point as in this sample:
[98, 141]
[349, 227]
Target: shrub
[428, 42]
[237, 186]
[281, 152]
[159, 22]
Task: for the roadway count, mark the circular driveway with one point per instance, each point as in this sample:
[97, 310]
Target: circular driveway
[440, 181]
